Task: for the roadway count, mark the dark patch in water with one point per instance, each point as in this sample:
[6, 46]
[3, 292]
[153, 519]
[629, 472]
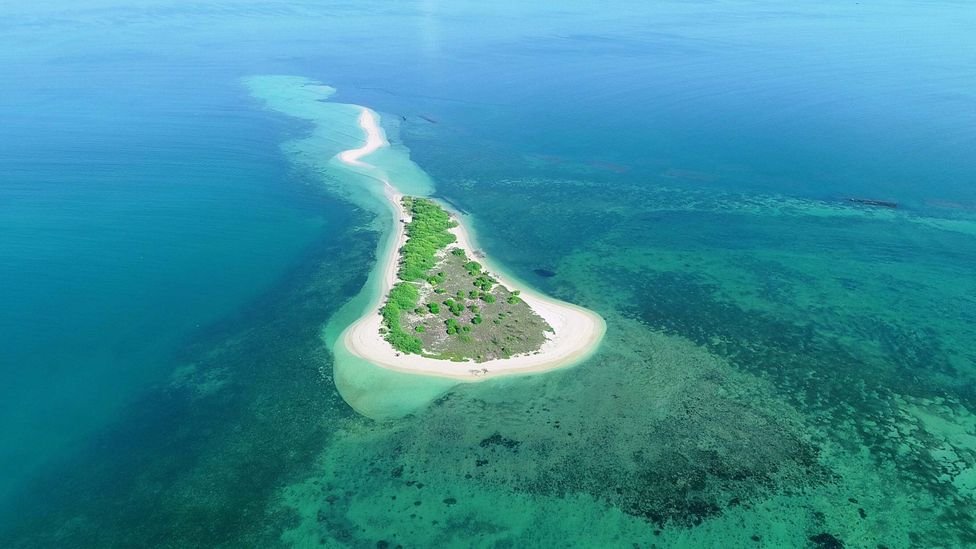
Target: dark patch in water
[498, 439]
[454, 205]
[826, 541]
[545, 273]
[874, 203]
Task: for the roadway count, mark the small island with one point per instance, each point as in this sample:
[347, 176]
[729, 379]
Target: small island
[443, 311]
[446, 305]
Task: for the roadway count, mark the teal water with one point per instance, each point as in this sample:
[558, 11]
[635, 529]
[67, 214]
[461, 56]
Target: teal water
[782, 368]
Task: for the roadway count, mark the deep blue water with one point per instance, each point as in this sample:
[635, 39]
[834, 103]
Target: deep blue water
[149, 221]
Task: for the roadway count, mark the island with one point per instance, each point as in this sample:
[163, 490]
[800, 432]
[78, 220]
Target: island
[446, 305]
[446, 311]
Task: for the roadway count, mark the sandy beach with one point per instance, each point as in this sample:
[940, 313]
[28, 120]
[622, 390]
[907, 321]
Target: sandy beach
[577, 331]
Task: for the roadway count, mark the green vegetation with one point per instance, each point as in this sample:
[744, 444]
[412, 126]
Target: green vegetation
[403, 297]
[453, 328]
[427, 232]
[514, 298]
[455, 307]
[484, 282]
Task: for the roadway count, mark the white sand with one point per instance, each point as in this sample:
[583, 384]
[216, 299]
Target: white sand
[578, 331]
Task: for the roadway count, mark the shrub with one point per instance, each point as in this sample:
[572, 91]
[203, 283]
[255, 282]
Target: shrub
[452, 326]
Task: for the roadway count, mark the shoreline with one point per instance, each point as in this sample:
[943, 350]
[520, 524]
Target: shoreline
[577, 331]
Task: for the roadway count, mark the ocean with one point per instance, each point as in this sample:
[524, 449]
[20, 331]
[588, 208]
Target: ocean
[773, 207]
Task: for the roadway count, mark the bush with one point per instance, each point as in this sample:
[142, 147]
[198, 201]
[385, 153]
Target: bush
[452, 326]
[455, 307]
[484, 283]
[433, 308]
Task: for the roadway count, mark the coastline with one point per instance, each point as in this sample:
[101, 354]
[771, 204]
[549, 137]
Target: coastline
[577, 331]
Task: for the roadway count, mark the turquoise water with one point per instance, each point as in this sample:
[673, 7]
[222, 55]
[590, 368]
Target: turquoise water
[782, 367]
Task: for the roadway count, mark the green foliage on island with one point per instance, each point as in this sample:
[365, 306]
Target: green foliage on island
[484, 282]
[427, 232]
[452, 326]
[403, 297]
[455, 307]
[514, 298]
[416, 320]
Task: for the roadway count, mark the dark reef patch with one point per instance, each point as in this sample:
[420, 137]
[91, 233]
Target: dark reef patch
[826, 541]
[498, 440]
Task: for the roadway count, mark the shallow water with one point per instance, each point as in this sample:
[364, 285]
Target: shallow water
[782, 367]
